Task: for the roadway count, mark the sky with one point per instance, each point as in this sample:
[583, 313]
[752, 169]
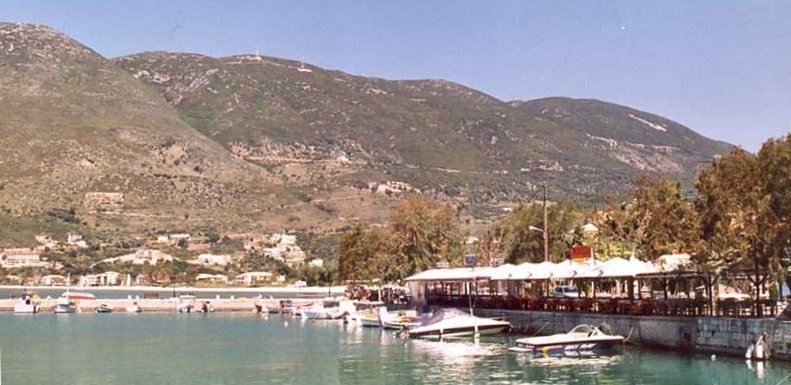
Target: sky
[721, 67]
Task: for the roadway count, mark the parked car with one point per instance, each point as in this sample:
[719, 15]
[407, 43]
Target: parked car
[566, 292]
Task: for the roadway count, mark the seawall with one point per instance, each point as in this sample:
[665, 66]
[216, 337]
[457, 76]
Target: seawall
[692, 334]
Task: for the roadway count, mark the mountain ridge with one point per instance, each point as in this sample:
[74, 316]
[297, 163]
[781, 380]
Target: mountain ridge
[246, 141]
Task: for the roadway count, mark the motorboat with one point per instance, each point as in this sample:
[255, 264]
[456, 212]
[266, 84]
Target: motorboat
[398, 320]
[104, 308]
[64, 305]
[28, 304]
[456, 323]
[336, 310]
[186, 308]
[134, 308]
[368, 318]
[580, 339]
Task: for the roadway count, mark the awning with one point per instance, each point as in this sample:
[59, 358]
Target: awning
[457, 274]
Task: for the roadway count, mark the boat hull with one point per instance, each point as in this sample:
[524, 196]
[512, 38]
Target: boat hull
[568, 347]
[454, 332]
[26, 308]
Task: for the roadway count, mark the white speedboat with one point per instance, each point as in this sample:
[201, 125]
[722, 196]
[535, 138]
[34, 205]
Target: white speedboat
[65, 306]
[104, 308]
[456, 323]
[134, 308]
[318, 311]
[582, 338]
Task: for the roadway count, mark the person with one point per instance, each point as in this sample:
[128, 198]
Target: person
[764, 341]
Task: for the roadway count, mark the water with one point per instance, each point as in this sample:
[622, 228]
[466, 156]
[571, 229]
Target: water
[101, 293]
[228, 348]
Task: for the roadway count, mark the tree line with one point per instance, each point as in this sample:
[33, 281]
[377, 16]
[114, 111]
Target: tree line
[739, 216]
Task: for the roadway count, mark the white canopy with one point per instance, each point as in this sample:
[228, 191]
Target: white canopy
[457, 274]
[616, 268]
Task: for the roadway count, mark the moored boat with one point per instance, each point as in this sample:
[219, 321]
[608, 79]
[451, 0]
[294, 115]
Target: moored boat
[398, 320]
[582, 338]
[104, 308]
[28, 304]
[134, 308]
[448, 323]
[65, 306]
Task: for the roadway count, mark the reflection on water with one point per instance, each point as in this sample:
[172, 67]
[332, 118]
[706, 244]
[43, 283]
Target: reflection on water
[227, 348]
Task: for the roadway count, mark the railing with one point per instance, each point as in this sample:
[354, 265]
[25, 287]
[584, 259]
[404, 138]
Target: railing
[642, 307]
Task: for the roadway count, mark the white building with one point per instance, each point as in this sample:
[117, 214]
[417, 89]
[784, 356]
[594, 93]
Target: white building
[76, 241]
[212, 259]
[110, 278]
[52, 280]
[253, 278]
[316, 262]
[141, 257]
[16, 258]
[212, 278]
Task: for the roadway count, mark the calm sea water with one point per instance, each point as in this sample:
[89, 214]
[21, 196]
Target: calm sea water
[227, 348]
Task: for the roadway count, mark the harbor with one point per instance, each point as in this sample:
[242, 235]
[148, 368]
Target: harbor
[246, 348]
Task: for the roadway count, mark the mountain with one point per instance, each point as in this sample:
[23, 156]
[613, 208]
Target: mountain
[72, 123]
[435, 134]
[170, 141]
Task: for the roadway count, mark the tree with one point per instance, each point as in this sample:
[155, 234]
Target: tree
[419, 233]
[424, 233]
[521, 244]
[658, 219]
[774, 163]
[728, 206]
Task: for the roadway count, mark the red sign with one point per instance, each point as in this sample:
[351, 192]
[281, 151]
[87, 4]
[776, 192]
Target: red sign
[581, 253]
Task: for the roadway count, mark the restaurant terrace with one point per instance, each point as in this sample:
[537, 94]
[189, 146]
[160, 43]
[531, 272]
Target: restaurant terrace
[669, 287]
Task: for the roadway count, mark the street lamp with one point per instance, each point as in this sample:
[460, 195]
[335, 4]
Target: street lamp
[546, 241]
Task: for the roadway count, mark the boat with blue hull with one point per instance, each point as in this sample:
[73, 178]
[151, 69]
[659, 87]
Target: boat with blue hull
[581, 339]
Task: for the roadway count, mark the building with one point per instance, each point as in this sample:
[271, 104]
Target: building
[254, 277]
[76, 241]
[141, 257]
[212, 259]
[22, 257]
[318, 262]
[52, 280]
[283, 247]
[110, 278]
[103, 201]
[216, 278]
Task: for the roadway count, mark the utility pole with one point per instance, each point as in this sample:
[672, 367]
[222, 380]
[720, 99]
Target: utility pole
[546, 233]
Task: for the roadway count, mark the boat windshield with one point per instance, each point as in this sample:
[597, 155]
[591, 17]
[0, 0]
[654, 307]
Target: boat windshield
[587, 330]
[443, 314]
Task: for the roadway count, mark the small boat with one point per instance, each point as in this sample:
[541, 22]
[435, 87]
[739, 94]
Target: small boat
[397, 320]
[186, 308]
[64, 306]
[104, 308]
[581, 338]
[318, 311]
[369, 318]
[28, 304]
[134, 308]
[456, 323]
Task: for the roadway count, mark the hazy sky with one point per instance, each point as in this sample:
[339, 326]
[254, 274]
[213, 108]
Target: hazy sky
[721, 67]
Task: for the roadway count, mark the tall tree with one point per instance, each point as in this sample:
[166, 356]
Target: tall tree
[659, 220]
[521, 244]
[728, 206]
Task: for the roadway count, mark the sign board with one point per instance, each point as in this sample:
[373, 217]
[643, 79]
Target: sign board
[582, 253]
[443, 265]
[469, 260]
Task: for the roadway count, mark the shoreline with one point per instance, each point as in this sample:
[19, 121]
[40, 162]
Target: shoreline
[225, 289]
